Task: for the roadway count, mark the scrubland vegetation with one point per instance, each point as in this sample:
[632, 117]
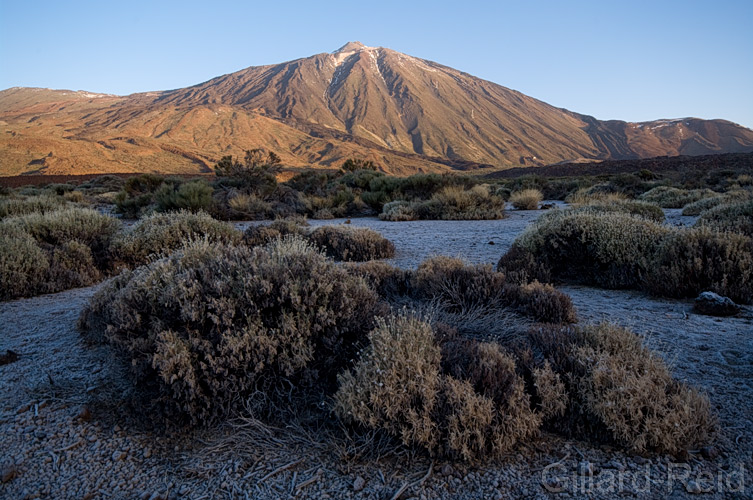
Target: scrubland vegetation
[463, 361]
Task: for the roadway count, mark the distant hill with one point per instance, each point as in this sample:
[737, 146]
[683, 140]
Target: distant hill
[406, 114]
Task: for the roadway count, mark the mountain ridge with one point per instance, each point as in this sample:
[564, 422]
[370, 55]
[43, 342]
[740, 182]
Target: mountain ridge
[404, 113]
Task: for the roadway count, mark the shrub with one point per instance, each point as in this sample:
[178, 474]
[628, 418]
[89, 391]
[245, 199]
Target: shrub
[541, 302]
[640, 208]
[671, 197]
[388, 281]
[72, 265]
[83, 225]
[250, 206]
[632, 393]
[23, 265]
[398, 211]
[700, 206]
[599, 193]
[161, 233]
[527, 199]
[397, 385]
[262, 234]
[693, 260]
[613, 250]
[736, 217]
[210, 323]
[455, 284]
[29, 205]
[193, 196]
[352, 243]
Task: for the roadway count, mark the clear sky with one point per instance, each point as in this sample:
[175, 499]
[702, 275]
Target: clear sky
[633, 60]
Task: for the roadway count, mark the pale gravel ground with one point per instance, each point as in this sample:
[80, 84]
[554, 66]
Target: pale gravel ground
[58, 455]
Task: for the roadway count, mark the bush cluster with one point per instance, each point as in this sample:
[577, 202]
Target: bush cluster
[736, 217]
[672, 197]
[449, 203]
[616, 250]
[208, 324]
[161, 233]
[474, 400]
[42, 203]
[344, 243]
[53, 251]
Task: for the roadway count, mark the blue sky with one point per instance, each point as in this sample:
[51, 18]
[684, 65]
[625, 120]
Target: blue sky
[631, 60]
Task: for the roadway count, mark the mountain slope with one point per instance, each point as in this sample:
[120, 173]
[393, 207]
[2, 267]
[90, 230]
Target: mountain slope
[404, 113]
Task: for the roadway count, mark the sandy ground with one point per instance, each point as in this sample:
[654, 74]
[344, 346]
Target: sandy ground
[68, 433]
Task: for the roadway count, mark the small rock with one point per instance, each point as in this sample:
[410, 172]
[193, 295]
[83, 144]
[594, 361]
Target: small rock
[85, 414]
[118, 455]
[710, 452]
[614, 464]
[693, 487]
[359, 484]
[491, 243]
[8, 473]
[712, 304]
[447, 470]
[682, 456]
[8, 358]
[116, 428]
[23, 408]
[640, 460]
[147, 452]
[157, 496]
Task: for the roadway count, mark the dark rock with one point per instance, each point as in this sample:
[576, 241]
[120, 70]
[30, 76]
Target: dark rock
[491, 243]
[8, 358]
[712, 304]
[8, 473]
[710, 452]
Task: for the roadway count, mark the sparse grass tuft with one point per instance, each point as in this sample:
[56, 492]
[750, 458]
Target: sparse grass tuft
[527, 199]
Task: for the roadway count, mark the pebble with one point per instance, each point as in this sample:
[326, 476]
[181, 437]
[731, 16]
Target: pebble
[447, 470]
[710, 452]
[147, 452]
[8, 473]
[359, 484]
[118, 455]
[693, 487]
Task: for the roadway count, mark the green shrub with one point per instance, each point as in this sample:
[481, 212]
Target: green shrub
[736, 217]
[137, 196]
[528, 199]
[250, 206]
[693, 260]
[449, 203]
[671, 197]
[193, 196]
[398, 211]
[29, 205]
[206, 326]
[352, 243]
[164, 232]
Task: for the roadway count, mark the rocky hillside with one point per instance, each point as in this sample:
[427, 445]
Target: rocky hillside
[406, 114]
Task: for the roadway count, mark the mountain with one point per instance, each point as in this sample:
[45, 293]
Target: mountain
[406, 114]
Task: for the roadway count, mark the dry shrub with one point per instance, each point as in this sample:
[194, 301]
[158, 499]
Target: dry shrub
[162, 233]
[449, 203]
[397, 385]
[250, 206]
[74, 196]
[208, 324]
[265, 233]
[527, 199]
[700, 206]
[643, 209]
[32, 204]
[355, 244]
[671, 197]
[541, 302]
[72, 265]
[550, 391]
[398, 211]
[736, 217]
[693, 260]
[594, 194]
[456, 284]
[388, 281]
[631, 391]
[613, 250]
[619, 391]
[23, 265]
